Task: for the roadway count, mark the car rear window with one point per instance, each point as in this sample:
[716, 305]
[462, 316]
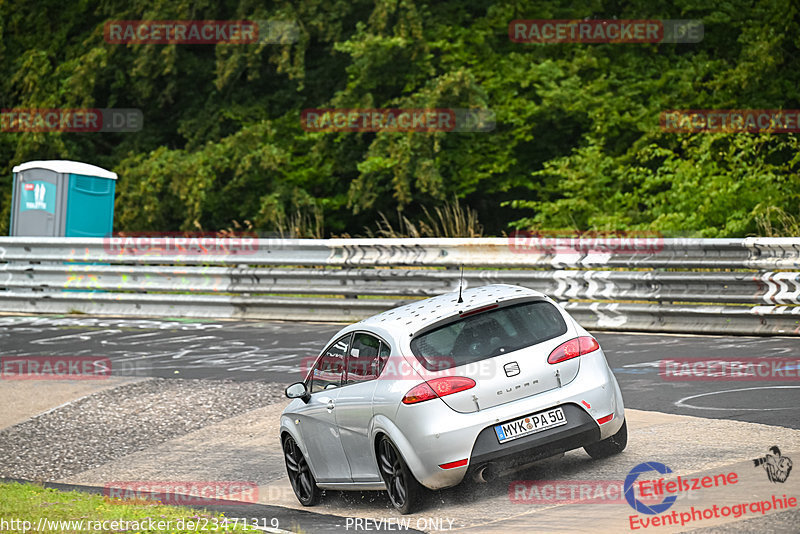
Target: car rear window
[488, 334]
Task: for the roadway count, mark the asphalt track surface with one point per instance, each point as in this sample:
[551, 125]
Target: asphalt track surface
[276, 351]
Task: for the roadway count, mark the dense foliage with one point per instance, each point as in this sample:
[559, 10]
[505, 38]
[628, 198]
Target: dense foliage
[577, 142]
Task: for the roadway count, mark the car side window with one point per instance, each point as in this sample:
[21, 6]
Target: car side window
[363, 360]
[383, 356]
[329, 369]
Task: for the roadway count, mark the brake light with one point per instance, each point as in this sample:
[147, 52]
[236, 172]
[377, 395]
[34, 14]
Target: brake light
[573, 348]
[479, 310]
[438, 387]
[447, 385]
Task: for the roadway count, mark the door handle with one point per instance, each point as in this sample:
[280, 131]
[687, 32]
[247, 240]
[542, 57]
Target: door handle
[331, 405]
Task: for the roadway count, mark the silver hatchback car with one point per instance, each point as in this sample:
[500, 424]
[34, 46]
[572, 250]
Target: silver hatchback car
[451, 387]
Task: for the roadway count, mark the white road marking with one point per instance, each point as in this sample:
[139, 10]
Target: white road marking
[682, 404]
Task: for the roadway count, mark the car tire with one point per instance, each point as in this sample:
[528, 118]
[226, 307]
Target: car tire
[300, 475]
[611, 445]
[403, 489]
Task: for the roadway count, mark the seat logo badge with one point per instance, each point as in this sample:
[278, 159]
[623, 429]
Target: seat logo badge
[511, 369]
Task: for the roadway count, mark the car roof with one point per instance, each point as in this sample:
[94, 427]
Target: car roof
[413, 317]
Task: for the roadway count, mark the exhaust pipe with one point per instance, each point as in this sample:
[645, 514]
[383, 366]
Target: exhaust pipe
[487, 473]
[492, 471]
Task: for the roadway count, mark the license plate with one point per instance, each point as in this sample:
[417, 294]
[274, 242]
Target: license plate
[530, 424]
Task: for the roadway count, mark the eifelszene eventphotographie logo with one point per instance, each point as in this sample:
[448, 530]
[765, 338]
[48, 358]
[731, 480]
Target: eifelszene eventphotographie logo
[630, 496]
[775, 464]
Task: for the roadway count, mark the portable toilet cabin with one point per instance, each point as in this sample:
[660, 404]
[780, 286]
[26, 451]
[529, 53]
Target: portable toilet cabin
[60, 198]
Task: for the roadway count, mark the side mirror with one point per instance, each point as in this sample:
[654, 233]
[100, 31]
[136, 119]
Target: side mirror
[298, 391]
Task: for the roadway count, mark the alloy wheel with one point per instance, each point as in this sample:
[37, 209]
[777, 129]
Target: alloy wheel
[300, 476]
[393, 473]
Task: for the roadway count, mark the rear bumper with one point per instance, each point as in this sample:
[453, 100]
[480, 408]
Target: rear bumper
[431, 434]
[580, 430]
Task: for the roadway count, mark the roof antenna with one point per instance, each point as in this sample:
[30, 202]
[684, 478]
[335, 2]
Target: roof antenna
[461, 285]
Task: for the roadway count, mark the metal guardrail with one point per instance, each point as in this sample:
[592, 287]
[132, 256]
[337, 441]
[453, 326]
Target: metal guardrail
[748, 253]
[651, 285]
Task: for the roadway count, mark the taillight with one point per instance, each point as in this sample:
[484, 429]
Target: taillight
[419, 393]
[438, 387]
[573, 348]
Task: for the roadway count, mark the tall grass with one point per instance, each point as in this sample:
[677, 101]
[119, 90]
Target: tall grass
[775, 222]
[448, 220]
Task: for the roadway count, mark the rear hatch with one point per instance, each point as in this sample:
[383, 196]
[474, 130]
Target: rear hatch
[504, 350]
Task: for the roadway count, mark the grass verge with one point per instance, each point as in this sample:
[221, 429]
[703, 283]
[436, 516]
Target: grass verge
[33, 508]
